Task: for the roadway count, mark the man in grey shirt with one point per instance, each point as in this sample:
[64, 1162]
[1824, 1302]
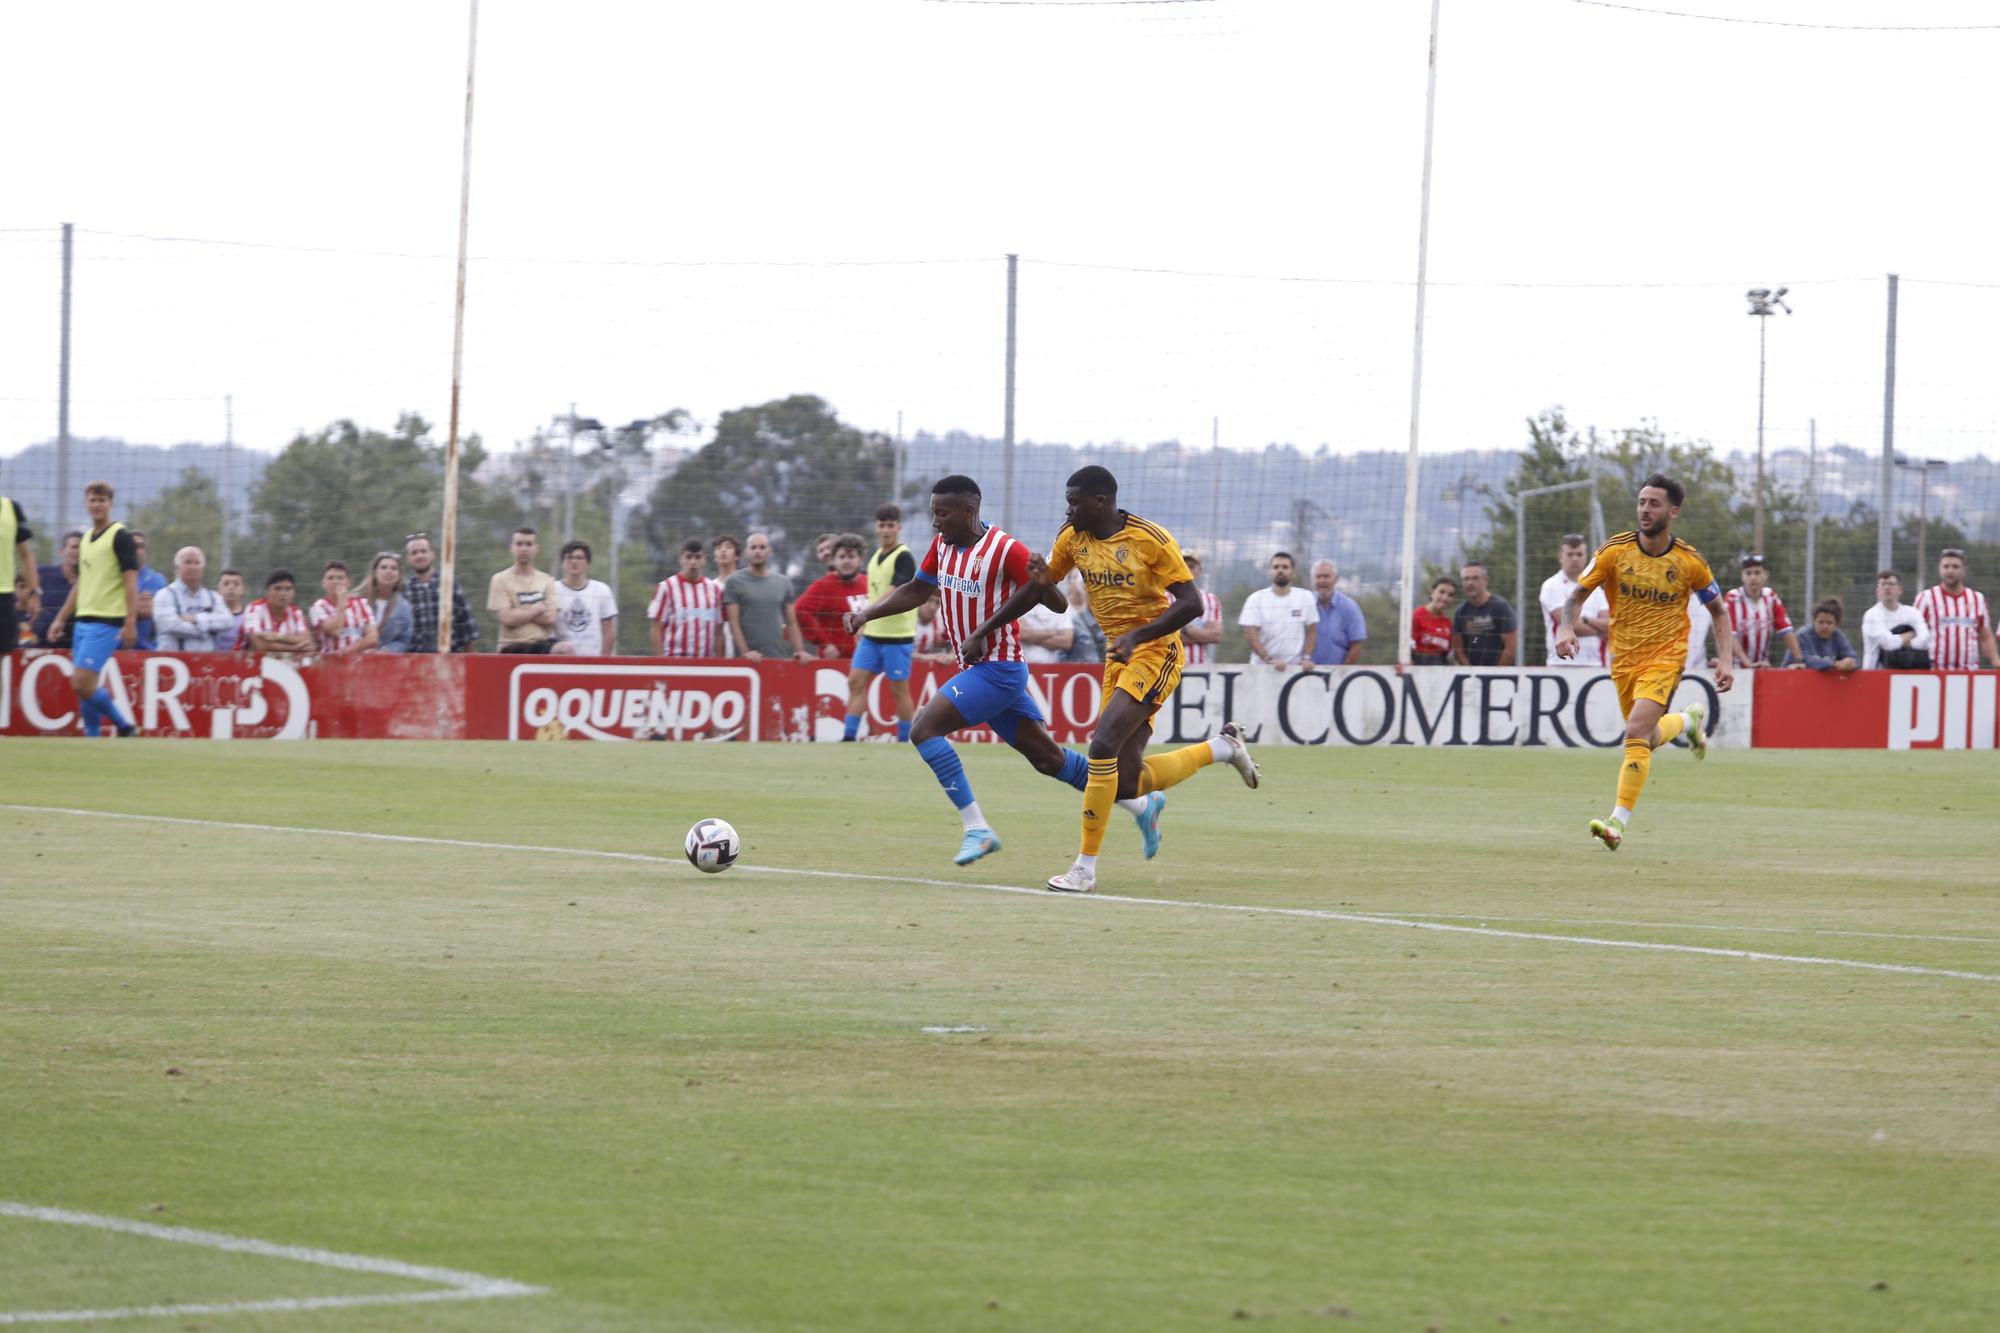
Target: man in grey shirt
[757, 601]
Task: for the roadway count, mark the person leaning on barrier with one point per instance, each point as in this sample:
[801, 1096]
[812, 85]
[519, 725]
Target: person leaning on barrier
[188, 617]
[421, 587]
[382, 590]
[1485, 632]
[1824, 647]
[1893, 635]
[275, 623]
[1430, 625]
[523, 599]
[1961, 627]
[1341, 630]
[1280, 621]
[230, 588]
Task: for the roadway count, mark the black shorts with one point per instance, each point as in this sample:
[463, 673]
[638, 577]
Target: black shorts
[546, 646]
[10, 628]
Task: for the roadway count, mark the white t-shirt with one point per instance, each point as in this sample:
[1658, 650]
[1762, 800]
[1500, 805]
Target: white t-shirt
[1281, 622]
[1039, 617]
[1589, 647]
[1876, 638]
[579, 615]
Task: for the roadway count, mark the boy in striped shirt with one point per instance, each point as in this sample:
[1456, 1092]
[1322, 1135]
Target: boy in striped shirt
[1756, 615]
[686, 613]
[1961, 629]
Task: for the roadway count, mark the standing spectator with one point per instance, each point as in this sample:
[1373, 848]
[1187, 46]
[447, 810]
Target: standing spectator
[229, 587]
[727, 552]
[1961, 630]
[823, 558]
[1087, 645]
[930, 645]
[1893, 635]
[1593, 622]
[830, 597]
[105, 601]
[1047, 636]
[1484, 630]
[758, 604]
[341, 622]
[150, 581]
[422, 590]
[1824, 647]
[524, 599]
[274, 623]
[887, 643]
[57, 580]
[17, 571]
[1756, 614]
[1202, 637]
[383, 591]
[1341, 631]
[190, 618]
[1430, 625]
[685, 619]
[1280, 621]
[587, 625]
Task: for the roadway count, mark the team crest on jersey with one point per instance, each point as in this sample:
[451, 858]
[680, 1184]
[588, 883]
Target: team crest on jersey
[1119, 555]
[1671, 574]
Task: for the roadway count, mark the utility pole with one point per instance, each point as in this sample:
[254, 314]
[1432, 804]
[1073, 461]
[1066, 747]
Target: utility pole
[1007, 440]
[1215, 491]
[1763, 304]
[1413, 467]
[222, 491]
[1812, 507]
[448, 534]
[61, 508]
[569, 484]
[1886, 530]
[896, 466]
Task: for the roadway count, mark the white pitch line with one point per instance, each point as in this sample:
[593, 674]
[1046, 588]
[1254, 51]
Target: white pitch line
[1249, 909]
[1484, 917]
[457, 1286]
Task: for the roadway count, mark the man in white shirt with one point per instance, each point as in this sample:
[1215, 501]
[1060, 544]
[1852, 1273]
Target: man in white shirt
[586, 612]
[1890, 626]
[1280, 621]
[1047, 636]
[1594, 622]
[188, 617]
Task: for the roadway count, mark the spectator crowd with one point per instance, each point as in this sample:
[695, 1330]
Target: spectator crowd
[728, 599]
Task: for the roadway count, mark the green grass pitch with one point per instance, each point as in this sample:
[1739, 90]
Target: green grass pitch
[687, 1102]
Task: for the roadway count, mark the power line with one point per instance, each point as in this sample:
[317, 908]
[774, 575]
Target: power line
[1405, 282]
[531, 259]
[1784, 23]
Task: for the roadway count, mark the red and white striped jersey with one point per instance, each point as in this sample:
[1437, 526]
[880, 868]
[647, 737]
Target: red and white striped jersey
[691, 609]
[1755, 622]
[972, 582]
[1201, 654]
[260, 619]
[335, 630]
[1956, 619]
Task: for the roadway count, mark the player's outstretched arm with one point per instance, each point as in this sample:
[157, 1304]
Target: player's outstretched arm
[903, 597]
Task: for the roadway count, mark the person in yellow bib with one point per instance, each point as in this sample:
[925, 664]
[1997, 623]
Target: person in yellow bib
[104, 602]
[17, 561]
[1141, 593]
[1648, 577]
[885, 647]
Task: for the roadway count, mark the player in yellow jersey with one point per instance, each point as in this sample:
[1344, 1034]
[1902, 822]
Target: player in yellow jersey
[1648, 576]
[1141, 593]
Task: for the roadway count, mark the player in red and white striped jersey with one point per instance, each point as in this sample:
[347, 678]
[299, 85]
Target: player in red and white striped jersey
[1961, 629]
[686, 614]
[974, 568]
[341, 624]
[1202, 636]
[1757, 614]
[274, 623]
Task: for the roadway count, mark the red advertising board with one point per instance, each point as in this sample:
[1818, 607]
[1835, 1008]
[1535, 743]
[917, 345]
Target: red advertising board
[1876, 710]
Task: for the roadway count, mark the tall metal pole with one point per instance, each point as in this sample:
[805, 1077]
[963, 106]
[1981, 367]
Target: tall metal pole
[1923, 518]
[1007, 439]
[1757, 521]
[1215, 491]
[449, 528]
[222, 490]
[1812, 507]
[896, 464]
[569, 478]
[61, 508]
[1886, 530]
[1413, 468]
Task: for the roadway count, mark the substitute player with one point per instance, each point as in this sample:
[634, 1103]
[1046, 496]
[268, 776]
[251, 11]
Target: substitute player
[1648, 577]
[1141, 593]
[887, 647]
[105, 603]
[974, 567]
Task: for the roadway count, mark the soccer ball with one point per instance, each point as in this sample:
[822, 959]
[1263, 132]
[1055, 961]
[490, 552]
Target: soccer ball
[712, 846]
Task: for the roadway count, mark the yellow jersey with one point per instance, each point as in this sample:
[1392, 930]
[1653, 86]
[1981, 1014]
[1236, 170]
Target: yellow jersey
[1649, 596]
[1126, 574]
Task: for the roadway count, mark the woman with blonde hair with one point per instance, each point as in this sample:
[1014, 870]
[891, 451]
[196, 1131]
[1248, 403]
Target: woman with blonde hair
[383, 591]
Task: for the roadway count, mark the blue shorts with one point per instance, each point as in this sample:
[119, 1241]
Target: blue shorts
[888, 659]
[92, 644]
[995, 693]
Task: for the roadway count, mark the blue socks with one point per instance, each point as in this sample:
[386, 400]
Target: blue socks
[93, 721]
[1075, 769]
[850, 726]
[902, 731]
[97, 709]
[943, 759]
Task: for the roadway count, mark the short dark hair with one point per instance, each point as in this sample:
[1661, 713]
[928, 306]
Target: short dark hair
[332, 565]
[889, 514]
[1573, 539]
[73, 532]
[1888, 574]
[239, 573]
[102, 488]
[720, 538]
[692, 546]
[280, 576]
[1479, 565]
[828, 537]
[1283, 555]
[1830, 606]
[1660, 481]
[956, 484]
[574, 545]
[850, 541]
[523, 532]
[1444, 581]
[1093, 480]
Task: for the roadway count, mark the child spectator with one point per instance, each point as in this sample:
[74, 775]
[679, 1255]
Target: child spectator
[273, 624]
[1825, 648]
[342, 623]
[1430, 625]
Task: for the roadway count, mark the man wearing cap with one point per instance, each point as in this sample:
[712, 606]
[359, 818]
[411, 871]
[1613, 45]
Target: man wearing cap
[1593, 622]
[1756, 614]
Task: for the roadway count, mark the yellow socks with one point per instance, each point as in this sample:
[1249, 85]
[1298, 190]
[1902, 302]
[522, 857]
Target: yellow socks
[1100, 796]
[1671, 725]
[1175, 766]
[1632, 775]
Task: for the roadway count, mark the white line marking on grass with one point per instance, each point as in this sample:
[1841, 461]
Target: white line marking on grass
[1484, 917]
[1248, 909]
[456, 1286]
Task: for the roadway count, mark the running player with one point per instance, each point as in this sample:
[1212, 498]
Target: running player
[973, 567]
[1648, 577]
[105, 603]
[1141, 593]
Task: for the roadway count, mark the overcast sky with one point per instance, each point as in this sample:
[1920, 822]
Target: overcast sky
[706, 205]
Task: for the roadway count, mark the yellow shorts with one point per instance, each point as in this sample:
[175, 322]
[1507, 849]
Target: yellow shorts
[1654, 679]
[1152, 675]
